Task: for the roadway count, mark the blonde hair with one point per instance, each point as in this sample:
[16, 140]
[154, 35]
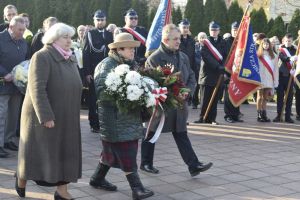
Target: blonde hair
[260, 51]
[56, 31]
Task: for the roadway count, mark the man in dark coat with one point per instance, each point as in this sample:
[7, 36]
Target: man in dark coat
[213, 54]
[175, 122]
[187, 46]
[8, 13]
[138, 32]
[287, 56]
[231, 113]
[95, 49]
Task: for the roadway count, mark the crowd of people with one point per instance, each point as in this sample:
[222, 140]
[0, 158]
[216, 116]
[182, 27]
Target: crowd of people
[66, 73]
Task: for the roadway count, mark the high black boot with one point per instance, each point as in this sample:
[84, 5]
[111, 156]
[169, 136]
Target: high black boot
[264, 116]
[138, 190]
[259, 116]
[147, 153]
[98, 178]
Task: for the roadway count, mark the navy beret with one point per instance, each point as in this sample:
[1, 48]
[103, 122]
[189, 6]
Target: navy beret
[235, 25]
[214, 26]
[184, 22]
[131, 13]
[99, 14]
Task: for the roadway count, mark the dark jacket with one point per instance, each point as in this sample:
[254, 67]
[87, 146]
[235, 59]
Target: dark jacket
[283, 68]
[141, 50]
[12, 53]
[210, 73]
[36, 43]
[176, 118]
[95, 51]
[187, 46]
[198, 60]
[114, 125]
[229, 42]
[4, 26]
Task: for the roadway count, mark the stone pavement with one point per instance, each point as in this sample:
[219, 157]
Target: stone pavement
[252, 161]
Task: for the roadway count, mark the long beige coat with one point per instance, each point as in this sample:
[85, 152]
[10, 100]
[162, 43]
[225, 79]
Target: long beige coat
[53, 93]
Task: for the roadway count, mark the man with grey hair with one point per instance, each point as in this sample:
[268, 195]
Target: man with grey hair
[175, 122]
[9, 12]
[13, 50]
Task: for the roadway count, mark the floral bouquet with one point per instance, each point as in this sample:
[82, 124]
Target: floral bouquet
[166, 77]
[129, 89]
[20, 75]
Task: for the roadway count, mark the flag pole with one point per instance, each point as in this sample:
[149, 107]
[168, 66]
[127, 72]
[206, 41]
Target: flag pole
[289, 85]
[220, 79]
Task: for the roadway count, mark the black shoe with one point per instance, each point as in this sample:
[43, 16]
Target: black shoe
[199, 121]
[264, 116]
[238, 120]
[11, 146]
[95, 130]
[229, 120]
[3, 153]
[200, 168]
[298, 118]
[276, 119]
[20, 191]
[149, 169]
[58, 197]
[138, 190]
[289, 120]
[103, 184]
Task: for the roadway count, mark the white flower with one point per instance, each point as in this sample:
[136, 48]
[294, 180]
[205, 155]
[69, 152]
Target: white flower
[122, 69]
[150, 100]
[134, 92]
[133, 78]
[113, 81]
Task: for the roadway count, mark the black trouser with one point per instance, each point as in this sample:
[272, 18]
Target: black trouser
[297, 97]
[93, 116]
[195, 100]
[229, 109]
[205, 96]
[183, 144]
[282, 87]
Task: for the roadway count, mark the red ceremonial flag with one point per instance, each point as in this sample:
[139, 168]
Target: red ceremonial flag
[245, 78]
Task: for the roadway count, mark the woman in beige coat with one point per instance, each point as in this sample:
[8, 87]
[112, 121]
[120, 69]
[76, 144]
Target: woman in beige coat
[50, 140]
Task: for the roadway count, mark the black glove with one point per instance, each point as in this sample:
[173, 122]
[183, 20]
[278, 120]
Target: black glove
[221, 69]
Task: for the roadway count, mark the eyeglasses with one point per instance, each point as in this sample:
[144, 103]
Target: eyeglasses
[100, 20]
[133, 18]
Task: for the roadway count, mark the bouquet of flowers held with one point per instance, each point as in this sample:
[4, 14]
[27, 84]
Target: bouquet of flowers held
[131, 91]
[167, 78]
[20, 75]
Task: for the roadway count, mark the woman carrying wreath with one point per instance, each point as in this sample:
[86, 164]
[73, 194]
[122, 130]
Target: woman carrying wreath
[119, 131]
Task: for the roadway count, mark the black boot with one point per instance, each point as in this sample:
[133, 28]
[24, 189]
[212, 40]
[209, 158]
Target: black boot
[98, 178]
[138, 190]
[264, 116]
[147, 153]
[260, 116]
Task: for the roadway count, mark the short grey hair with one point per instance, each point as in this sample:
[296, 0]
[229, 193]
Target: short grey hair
[56, 31]
[167, 29]
[9, 7]
[16, 19]
[202, 35]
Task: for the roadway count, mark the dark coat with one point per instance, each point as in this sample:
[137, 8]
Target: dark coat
[53, 93]
[4, 26]
[187, 46]
[12, 53]
[93, 54]
[176, 118]
[36, 43]
[114, 125]
[141, 50]
[210, 73]
[283, 68]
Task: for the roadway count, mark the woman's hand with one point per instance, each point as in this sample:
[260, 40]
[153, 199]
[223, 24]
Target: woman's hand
[49, 124]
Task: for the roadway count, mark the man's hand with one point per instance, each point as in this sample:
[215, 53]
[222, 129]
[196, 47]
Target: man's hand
[292, 72]
[49, 124]
[8, 77]
[89, 78]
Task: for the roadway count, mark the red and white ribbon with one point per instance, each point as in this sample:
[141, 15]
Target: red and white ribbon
[287, 54]
[160, 96]
[138, 36]
[267, 62]
[213, 50]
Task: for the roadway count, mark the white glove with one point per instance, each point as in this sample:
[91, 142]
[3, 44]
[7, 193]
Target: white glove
[293, 58]
[292, 72]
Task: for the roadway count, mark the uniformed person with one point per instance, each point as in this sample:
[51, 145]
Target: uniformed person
[95, 49]
[139, 33]
[287, 56]
[187, 46]
[213, 53]
[231, 113]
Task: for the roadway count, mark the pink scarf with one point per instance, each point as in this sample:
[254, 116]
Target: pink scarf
[64, 53]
